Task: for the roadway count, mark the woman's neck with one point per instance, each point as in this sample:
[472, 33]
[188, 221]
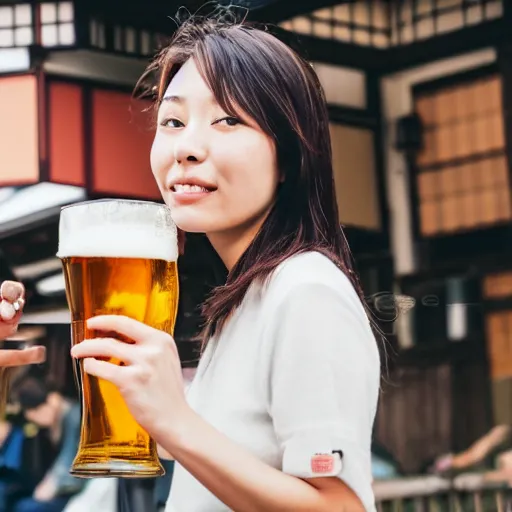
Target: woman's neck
[230, 245]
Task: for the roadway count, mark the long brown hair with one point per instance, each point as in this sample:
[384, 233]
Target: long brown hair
[248, 68]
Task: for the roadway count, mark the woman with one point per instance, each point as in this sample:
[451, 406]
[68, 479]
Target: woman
[280, 413]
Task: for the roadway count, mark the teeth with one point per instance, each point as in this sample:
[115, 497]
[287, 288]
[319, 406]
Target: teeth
[182, 188]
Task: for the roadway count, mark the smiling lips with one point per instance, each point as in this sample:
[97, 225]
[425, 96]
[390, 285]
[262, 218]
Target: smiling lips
[189, 189]
[186, 193]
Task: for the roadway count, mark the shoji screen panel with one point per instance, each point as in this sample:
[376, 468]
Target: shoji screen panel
[462, 172]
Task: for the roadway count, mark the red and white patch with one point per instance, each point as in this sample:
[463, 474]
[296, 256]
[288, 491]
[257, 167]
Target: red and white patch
[322, 464]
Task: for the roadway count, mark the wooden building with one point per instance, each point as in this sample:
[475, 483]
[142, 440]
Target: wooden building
[419, 95]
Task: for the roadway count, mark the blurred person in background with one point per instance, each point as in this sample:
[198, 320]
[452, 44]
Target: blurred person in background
[48, 409]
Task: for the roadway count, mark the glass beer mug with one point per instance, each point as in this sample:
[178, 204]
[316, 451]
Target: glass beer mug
[119, 257]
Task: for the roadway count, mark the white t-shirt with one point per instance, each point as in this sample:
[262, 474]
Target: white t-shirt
[295, 373]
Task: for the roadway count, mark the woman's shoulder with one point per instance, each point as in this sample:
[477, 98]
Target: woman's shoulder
[310, 269]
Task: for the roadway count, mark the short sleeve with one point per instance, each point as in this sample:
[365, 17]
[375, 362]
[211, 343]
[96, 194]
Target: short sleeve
[324, 382]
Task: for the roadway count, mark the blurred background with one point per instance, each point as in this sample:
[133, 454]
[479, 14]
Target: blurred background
[419, 95]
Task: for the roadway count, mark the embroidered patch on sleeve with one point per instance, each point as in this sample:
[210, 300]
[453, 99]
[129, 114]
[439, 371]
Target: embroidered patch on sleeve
[326, 464]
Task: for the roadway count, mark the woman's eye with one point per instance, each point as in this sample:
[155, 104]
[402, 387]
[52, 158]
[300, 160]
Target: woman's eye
[229, 121]
[172, 123]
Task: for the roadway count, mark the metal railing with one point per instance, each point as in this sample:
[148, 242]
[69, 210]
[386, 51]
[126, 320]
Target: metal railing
[471, 492]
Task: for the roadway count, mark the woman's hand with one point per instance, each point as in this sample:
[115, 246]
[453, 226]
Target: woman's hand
[150, 380]
[11, 306]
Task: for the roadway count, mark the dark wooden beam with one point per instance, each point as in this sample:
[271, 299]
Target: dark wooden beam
[335, 52]
[269, 11]
[488, 34]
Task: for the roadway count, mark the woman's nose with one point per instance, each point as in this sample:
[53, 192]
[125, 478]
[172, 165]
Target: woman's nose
[190, 147]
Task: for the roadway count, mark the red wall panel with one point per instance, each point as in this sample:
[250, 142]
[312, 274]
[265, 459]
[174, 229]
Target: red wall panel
[19, 147]
[66, 121]
[121, 141]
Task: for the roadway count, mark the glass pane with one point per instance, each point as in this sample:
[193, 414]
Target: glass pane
[474, 15]
[322, 29]
[342, 13]
[49, 13]
[102, 42]
[428, 185]
[380, 40]
[67, 34]
[93, 32]
[342, 33]
[469, 210]
[380, 15]
[429, 211]
[6, 17]
[145, 43]
[362, 37]
[6, 37]
[118, 39]
[302, 25]
[49, 35]
[66, 11]
[361, 14]
[23, 36]
[425, 28]
[325, 14]
[494, 9]
[451, 213]
[23, 14]
[130, 43]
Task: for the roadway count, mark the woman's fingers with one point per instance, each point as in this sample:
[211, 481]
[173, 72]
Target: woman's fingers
[104, 348]
[32, 355]
[104, 370]
[128, 327]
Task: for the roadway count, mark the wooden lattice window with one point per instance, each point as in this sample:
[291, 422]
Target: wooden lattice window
[383, 23]
[462, 171]
[499, 343]
[16, 25]
[498, 287]
[57, 24]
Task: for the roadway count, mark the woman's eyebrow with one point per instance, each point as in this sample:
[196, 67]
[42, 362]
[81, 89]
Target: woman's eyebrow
[173, 98]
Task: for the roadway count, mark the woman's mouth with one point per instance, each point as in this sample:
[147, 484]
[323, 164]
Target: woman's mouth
[190, 189]
[187, 194]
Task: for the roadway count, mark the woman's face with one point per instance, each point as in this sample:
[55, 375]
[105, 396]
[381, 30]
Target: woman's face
[217, 173]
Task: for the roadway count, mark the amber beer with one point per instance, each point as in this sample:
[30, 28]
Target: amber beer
[119, 257]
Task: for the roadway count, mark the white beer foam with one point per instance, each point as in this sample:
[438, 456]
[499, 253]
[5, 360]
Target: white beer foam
[118, 229]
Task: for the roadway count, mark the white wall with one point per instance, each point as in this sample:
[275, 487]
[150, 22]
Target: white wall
[342, 86]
